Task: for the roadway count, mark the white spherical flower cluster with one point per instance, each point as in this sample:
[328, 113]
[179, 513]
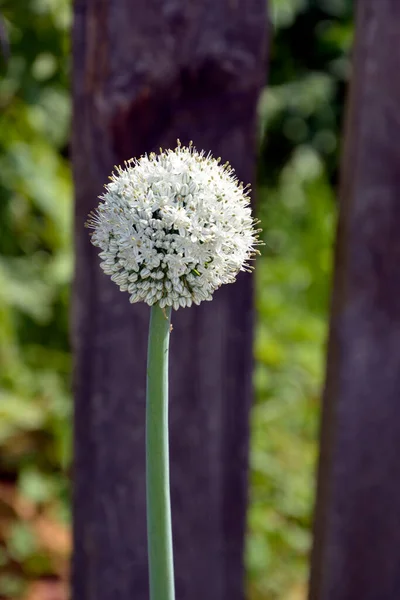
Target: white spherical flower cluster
[173, 227]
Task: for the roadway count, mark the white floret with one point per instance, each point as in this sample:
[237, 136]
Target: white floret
[174, 227]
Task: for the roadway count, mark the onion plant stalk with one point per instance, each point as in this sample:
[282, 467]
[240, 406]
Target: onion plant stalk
[172, 228]
[159, 529]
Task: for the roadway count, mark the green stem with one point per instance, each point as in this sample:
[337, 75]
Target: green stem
[159, 530]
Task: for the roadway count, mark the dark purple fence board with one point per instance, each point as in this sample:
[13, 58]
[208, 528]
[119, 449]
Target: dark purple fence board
[357, 526]
[145, 73]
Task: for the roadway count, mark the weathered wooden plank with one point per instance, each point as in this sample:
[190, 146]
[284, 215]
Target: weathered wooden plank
[145, 73]
[357, 525]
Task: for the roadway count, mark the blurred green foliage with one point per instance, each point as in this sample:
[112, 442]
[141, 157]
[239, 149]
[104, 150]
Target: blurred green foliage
[35, 273]
[300, 117]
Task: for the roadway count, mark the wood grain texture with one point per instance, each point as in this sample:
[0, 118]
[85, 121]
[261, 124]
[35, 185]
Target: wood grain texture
[145, 73]
[357, 525]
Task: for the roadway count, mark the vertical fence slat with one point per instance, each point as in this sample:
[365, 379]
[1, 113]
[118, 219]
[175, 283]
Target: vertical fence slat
[146, 73]
[357, 526]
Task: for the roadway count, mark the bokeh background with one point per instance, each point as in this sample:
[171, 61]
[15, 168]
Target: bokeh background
[300, 120]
